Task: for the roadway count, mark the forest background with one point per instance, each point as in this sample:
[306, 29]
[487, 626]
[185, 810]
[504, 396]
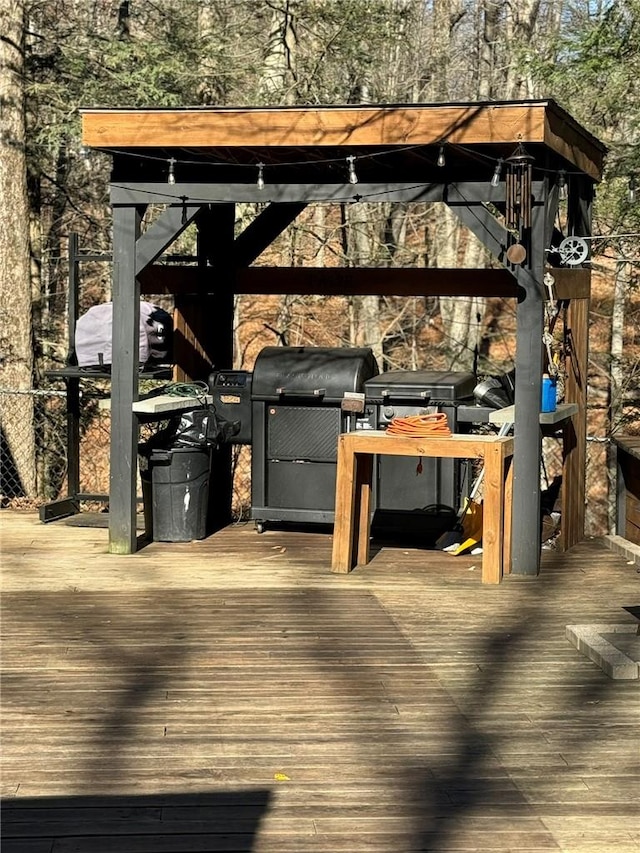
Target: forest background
[59, 55]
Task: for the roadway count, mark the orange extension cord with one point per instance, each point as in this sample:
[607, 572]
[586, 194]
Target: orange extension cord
[420, 426]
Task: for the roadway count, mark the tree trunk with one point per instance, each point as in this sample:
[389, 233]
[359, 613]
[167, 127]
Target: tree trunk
[487, 70]
[361, 253]
[16, 345]
[617, 383]
[205, 29]
[465, 315]
[521, 19]
[445, 242]
[445, 232]
[277, 83]
[446, 14]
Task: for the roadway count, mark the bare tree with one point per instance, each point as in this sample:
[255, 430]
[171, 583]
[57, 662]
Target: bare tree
[520, 23]
[487, 65]
[445, 231]
[618, 374]
[16, 344]
[277, 83]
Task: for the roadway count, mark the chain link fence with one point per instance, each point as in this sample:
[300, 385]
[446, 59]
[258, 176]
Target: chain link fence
[34, 462]
[33, 439]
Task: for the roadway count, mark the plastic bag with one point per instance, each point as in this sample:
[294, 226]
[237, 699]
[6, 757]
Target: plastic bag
[201, 427]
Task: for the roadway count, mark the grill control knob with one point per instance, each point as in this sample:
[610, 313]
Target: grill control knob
[389, 412]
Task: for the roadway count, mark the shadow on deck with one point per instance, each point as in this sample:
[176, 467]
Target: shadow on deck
[233, 694]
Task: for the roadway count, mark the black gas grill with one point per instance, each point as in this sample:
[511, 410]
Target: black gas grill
[406, 501]
[297, 401]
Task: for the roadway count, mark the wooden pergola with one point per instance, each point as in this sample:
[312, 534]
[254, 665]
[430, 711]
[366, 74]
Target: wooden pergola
[200, 162]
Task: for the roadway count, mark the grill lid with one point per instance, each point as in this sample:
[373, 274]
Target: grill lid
[319, 374]
[426, 385]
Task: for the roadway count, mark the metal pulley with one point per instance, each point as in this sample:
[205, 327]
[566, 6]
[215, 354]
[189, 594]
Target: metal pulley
[573, 251]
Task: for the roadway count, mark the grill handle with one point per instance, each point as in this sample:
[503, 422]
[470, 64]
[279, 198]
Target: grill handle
[315, 392]
[403, 395]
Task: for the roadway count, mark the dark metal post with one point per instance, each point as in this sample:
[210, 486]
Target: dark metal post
[124, 382]
[528, 436]
[73, 383]
[215, 244]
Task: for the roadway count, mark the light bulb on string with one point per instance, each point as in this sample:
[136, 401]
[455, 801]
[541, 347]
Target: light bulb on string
[171, 177]
[631, 191]
[351, 161]
[562, 185]
[260, 181]
[442, 160]
[495, 180]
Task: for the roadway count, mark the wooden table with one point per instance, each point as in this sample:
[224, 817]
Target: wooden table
[353, 492]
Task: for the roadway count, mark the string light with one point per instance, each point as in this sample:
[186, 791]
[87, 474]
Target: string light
[322, 161]
[353, 178]
[171, 177]
[495, 180]
[562, 185]
[497, 163]
[631, 192]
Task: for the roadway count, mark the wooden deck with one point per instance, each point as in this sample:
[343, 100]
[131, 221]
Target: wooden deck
[234, 695]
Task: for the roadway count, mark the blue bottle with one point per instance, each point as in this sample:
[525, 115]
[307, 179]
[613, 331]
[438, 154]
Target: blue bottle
[548, 403]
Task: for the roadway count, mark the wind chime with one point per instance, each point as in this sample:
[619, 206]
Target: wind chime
[518, 200]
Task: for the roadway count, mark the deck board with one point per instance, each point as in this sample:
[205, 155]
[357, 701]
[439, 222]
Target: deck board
[233, 694]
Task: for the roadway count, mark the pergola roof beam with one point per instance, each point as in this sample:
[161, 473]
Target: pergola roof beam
[291, 128]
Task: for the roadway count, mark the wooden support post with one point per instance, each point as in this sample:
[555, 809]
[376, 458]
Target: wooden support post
[124, 382]
[576, 366]
[575, 430]
[192, 344]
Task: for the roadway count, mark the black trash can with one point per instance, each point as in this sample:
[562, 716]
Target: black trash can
[175, 491]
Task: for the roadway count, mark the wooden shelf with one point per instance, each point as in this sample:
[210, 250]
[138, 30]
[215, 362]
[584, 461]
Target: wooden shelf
[163, 404]
[169, 403]
[563, 412]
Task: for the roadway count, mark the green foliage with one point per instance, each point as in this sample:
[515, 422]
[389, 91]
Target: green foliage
[595, 72]
[593, 69]
[343, 48]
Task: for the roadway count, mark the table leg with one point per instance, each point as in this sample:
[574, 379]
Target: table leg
[362, 509]
[344, 529]
[508, 510]
[493, 514]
